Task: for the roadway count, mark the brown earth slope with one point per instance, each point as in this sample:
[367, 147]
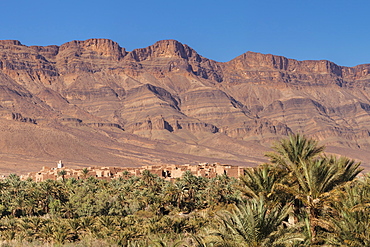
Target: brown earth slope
[94, 103]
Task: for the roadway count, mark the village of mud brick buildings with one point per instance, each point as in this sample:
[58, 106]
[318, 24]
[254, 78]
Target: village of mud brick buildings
[167, 172]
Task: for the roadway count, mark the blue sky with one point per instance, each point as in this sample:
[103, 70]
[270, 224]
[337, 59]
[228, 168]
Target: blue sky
[221, 30]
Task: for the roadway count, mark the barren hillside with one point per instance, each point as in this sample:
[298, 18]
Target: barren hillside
[94, 103]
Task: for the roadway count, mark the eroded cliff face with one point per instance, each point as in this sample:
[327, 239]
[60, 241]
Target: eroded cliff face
[165, 103]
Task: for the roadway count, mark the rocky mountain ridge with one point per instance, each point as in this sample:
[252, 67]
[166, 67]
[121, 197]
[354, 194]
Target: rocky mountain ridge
[94, 103]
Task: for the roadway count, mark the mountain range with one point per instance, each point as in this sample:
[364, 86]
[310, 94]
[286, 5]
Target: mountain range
[93, 103]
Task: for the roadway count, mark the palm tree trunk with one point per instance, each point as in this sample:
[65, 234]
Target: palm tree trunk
[312, 223]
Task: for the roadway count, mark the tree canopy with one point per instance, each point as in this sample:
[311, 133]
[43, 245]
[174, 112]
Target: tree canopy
[302, 197]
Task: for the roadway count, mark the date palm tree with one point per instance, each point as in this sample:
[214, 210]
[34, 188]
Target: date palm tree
[84, 172]
[253, 224]
[62, 173]
[311, 176]
[263, 181]
[351, 219]
[293, 150]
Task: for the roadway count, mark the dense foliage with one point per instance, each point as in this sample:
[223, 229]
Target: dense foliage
[301, 198]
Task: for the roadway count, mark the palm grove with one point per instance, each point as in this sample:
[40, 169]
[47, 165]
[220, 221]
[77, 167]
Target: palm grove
[302, 197]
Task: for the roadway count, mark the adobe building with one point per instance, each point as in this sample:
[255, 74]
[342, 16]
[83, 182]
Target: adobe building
[168, 172]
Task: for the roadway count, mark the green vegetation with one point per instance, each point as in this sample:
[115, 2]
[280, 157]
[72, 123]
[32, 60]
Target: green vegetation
[301, 198]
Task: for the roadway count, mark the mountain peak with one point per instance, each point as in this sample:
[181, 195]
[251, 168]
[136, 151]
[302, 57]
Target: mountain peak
[164, 48]
[275, 62]
[10, 42]
[100, 47]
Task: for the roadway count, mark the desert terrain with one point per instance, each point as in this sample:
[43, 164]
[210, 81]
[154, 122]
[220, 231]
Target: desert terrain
[92, 103]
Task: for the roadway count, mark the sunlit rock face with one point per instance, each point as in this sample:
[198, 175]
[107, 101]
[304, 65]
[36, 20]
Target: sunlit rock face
[94, 103]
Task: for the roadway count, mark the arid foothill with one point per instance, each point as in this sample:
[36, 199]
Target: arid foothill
[93, 103]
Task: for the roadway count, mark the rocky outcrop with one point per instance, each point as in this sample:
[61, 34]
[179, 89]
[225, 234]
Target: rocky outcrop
[259, 127]
[93, 49]
[172, 56]
[20, 118]
[174, 103]
[105, 125]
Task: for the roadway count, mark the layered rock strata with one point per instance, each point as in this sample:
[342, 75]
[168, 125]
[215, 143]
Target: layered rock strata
[92, 102]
